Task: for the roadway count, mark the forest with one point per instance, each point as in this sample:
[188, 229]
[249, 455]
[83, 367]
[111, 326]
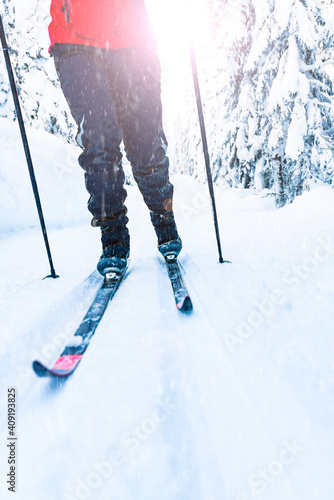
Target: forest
[266, 75]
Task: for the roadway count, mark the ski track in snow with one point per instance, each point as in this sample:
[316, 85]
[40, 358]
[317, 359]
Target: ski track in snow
[231, 402]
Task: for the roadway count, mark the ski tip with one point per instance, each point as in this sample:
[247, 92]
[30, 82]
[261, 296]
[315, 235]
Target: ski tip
[64, 366]
[43, 371]
[186, 305]
[40, 369]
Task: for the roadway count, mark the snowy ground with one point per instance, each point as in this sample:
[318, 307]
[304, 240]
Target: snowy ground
[233, 402]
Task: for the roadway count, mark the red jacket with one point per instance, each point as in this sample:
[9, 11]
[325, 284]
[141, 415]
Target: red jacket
[113, 24]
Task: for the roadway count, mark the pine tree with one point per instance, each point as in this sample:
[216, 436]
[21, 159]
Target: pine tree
[220, 59]
[279, 127]
[6, 104]
[42, 101]
[267, 97]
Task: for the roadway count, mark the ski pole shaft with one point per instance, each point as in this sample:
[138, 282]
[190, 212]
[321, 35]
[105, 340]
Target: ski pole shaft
[26, 145]
[205, 146]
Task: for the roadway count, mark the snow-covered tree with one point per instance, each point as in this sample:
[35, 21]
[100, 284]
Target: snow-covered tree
[41, 98]
[6, 105]
[285, 107]
[279, 127]
[267, 97]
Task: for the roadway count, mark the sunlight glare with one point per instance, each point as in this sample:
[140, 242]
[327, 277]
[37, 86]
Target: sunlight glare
[176, 22]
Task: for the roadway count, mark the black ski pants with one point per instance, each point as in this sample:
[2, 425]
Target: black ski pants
[115, 95]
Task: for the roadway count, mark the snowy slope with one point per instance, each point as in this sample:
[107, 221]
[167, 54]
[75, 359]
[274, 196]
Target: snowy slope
[232, 402]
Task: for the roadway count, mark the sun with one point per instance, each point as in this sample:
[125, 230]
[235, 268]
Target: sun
[176, 23]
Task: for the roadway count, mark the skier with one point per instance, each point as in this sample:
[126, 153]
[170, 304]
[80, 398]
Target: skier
[106, 58]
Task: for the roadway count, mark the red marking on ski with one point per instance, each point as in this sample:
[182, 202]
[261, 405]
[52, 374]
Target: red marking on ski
[67, 362]
[63, 367]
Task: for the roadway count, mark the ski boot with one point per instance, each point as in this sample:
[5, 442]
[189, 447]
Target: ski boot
[169, 242]
[116, 249]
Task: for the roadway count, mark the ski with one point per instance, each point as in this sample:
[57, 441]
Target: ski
[72, 354]
[181, 294]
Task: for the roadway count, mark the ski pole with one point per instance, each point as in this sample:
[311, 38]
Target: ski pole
[205, 146]
[26, 146]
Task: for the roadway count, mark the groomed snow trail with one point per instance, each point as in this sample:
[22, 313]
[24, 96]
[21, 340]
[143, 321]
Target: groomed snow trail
[234, 401]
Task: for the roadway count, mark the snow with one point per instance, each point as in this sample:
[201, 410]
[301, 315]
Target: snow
[295, 143]
[56, 167]
[282, 13]
[234, 401]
